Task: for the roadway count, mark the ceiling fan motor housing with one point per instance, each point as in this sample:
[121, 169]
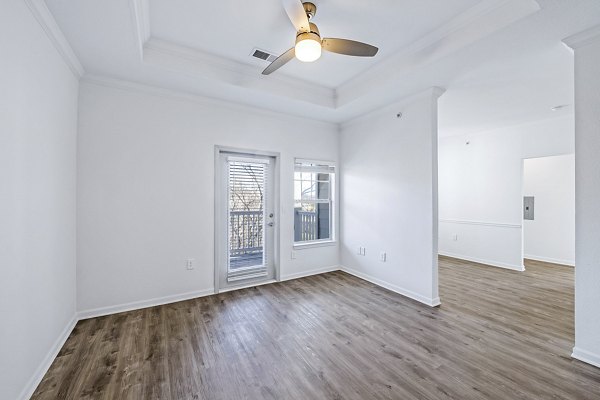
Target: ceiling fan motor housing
[310, 9]
[313, 34]
[308, 36]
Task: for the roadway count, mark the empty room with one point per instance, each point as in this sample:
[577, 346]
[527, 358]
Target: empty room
[284, 199]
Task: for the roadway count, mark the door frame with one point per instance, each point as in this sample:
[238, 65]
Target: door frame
[219, 209]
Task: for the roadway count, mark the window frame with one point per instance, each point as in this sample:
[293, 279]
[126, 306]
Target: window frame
[332, 240]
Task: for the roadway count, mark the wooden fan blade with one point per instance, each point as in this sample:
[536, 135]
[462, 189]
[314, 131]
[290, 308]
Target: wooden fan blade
[349, 47]
[296, 13]
[280, 61]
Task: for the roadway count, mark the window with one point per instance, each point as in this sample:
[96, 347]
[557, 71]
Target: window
[314, 186]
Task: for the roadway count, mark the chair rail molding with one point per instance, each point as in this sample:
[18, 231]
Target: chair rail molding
[481, 223]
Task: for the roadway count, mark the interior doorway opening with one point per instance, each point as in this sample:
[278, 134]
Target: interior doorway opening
[549, 209]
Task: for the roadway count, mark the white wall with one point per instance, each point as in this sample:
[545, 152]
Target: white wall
[481, 188]
[38, 127]
[587, 176]
[389, 197]
[146, 190]
[551, 235]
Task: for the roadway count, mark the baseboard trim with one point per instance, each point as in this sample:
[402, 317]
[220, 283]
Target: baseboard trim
[569, 263]
[37, 377]
[431, 302]
[137, 305]
[311, 272]
[512, 267]
[586, 357]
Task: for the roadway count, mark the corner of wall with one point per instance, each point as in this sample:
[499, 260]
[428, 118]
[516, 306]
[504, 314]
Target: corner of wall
[586, 356]
[429, 301]
[44, 366]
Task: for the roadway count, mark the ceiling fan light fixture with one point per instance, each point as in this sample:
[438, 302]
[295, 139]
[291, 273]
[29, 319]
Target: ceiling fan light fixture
[308, 47]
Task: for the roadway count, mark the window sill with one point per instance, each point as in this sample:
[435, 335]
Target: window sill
[310, 245]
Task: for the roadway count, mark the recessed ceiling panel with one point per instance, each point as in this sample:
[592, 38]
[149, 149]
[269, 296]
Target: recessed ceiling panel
[232, 28]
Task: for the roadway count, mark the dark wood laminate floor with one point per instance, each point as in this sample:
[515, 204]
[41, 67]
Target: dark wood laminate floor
[498, 335]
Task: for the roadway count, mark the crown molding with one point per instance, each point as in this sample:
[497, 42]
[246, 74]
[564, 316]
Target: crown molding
[172, 56]
[478, 22]
[42, 14]
[140, 11]
[158, 91]
[169, 55]
[485, 18]
[437, 91]
[583, 39]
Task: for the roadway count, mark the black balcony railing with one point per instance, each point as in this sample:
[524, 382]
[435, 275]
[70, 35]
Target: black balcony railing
[245, 239]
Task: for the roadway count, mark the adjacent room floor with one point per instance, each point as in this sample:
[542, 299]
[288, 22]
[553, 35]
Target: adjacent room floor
[499, 334]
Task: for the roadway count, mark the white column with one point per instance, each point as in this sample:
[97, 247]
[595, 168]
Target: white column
[587, 175]
[389, 196]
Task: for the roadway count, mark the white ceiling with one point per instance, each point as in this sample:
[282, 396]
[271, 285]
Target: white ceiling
[232, 28]
[501, 61]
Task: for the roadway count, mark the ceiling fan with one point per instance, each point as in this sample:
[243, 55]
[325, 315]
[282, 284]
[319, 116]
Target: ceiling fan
[308, 39]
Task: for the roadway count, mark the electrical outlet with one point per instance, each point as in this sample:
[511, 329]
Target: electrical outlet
[189, 264]
[364, 251]
[293, 255]
[383, 256]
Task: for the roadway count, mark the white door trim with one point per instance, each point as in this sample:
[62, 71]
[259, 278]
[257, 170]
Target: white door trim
[219, 209]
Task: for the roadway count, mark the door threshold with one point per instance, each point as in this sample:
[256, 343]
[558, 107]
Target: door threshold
[231, 289]
[262, 272]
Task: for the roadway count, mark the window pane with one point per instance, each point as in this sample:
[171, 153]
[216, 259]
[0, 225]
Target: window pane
[309, 190]
[323, 191]
[313, 192]
[306, 176]
[311, 222]
[323, 177]
[297, 190]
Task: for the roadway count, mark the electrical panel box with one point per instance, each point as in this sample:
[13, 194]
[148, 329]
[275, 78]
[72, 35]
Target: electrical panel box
[529, 208]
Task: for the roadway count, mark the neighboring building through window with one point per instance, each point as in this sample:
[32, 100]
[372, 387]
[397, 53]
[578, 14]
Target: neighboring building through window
[314, 186]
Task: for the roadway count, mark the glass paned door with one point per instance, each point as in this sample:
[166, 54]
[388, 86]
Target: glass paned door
[248, 219]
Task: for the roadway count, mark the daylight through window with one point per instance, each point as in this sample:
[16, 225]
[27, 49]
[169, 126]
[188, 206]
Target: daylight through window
[314, 185]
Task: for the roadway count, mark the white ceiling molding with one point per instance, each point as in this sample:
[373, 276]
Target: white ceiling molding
[512, 76]
[141, 21]
[42, 14]
[178, 58]
[584, 38]
[481, 20]
[179, 95]
[487, 17]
